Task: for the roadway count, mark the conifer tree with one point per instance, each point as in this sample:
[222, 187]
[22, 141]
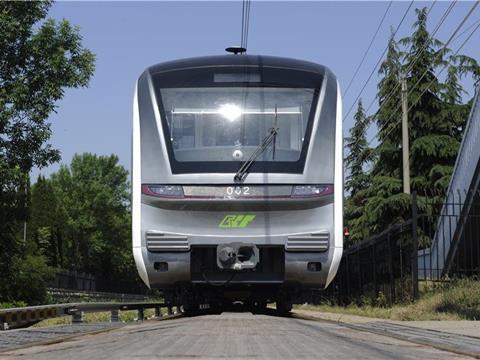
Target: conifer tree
[358, 179]
[432, 144]
[384, 201]
[388, 117]
[437, 117]
[356, 145]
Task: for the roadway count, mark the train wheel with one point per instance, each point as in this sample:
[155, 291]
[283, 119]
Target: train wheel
[191, 309]
[284, 306]
[259, 307]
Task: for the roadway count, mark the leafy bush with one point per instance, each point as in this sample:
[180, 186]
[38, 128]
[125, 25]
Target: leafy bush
[13, 304]
[31, 276]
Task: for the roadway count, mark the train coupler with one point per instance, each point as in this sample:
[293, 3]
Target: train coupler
[237, 256]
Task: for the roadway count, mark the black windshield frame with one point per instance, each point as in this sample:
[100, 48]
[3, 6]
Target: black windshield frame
[269, 77]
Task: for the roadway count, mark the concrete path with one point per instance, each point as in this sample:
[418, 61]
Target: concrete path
[233, 335]
[460, 337]
[464, 327]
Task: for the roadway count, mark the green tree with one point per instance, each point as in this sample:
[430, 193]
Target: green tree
[357, 182]
[387, 118]
[358, 152]
[437, 118]
[38, 59]
[383, 201]
[47, 219]
[432, 144]
[93, 191]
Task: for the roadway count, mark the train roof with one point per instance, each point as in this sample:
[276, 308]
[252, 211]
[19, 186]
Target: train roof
[238, 60]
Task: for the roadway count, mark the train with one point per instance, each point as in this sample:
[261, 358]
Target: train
[237, 180]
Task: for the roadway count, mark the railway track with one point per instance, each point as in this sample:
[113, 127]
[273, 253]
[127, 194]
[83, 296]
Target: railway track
[245, 335]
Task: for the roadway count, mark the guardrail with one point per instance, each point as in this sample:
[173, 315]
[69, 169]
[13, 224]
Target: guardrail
[67, 296]
[26, 316]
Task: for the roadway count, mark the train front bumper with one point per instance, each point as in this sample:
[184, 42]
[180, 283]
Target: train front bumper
[308, 269]
[301, 242]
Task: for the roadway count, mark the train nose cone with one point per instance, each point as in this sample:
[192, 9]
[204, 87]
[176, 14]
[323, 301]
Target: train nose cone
[226, 256]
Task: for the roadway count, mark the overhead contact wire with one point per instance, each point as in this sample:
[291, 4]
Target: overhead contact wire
[368, 48]
[415, 59]
[444, 67]
[378, 62]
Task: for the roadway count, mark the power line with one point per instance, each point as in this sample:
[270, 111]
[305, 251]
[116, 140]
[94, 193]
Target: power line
[368, 48]
[466, 30]
[431, 6]
[378, 62]
[444, 67]
[451, 38]
[245, 23]
[415, 59]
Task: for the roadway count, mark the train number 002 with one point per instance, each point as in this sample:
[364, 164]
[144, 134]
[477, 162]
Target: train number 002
[237, 190]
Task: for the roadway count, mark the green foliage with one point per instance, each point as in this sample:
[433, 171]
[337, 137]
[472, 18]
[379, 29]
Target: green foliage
[436, 121]
[31, 278]
[358, 152]
[388, 99]
[81, 217]
[359, 155]
[46, 222]
[13, 304]
[38, 60]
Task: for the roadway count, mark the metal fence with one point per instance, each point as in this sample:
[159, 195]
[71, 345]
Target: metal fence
[73, 280]
[378, 270]
[450, 245]
[387, 267]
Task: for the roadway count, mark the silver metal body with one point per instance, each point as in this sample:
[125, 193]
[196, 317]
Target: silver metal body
[210, 213]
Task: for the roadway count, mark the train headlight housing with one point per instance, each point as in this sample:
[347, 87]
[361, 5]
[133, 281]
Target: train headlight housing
[308, 191]
[165, 191]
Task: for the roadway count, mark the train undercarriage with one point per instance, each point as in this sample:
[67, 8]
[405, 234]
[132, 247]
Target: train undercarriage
[217, 283]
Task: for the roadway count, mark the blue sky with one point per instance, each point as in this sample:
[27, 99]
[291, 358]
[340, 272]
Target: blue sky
[129, 36]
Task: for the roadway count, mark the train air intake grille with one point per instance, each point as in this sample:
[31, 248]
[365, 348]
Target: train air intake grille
[308, 242]
[157, 241]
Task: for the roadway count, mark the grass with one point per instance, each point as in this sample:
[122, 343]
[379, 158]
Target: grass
[458, 300]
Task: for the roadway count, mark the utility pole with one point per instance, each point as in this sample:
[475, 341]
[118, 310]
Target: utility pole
[405, 146]
[25, 213]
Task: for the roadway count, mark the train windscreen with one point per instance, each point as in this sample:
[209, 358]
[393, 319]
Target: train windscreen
[218, 125]
[225, 124]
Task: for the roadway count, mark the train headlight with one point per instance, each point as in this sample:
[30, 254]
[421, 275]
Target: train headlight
[230, 111]
[300, 191]
[166, 191]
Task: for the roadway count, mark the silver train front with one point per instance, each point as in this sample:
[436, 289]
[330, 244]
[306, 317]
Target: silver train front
[182, 225]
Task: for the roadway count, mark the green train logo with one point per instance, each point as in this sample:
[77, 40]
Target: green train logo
[236, 221]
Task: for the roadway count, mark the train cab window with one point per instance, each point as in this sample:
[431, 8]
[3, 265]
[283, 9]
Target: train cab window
[215, 126]
[212, 124]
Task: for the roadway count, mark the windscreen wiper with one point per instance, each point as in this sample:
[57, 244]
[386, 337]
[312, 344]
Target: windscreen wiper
[243, 171]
